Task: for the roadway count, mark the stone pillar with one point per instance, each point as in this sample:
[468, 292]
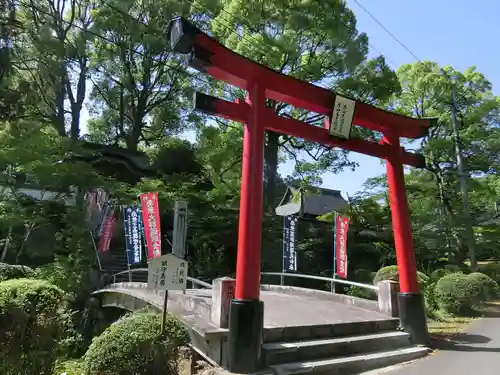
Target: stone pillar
[222, 295]
[388, 297]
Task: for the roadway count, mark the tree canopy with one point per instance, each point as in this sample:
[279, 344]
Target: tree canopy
[102, 71]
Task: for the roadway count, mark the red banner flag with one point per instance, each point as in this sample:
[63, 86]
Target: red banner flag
[107, 234]
[151, 222]
[341, 229]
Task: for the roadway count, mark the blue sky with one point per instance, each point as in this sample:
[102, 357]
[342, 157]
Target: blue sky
[457, 33]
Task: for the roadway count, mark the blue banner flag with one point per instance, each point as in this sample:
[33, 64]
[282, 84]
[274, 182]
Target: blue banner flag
[133, 233]
[289, 239]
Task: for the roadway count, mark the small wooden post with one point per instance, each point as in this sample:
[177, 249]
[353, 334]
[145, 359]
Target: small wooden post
[164, 313]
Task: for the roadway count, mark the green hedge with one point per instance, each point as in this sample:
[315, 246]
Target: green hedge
[134, 345]
[33, 319]
[491, 269]
[439, 273]
[457, 293]
[457, 268]
[14, 271]
[489, 287]
[391, 273]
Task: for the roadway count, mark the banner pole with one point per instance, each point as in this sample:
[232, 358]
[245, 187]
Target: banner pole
[282, 277]
[96, 250]
[164, 313]
[334, 251]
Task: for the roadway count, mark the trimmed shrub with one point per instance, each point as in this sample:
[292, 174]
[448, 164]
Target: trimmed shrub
[135, 345]
[356, 291]
[431, 305]
[489, 288]
[491, 269]
[362, 275]
[33, 320]
[14, 271]
[439, 273]
[454, 268]
[69, 273]
[391, 273]
[457, 293]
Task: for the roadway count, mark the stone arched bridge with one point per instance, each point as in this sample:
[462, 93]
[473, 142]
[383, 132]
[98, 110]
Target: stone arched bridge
[304, 330]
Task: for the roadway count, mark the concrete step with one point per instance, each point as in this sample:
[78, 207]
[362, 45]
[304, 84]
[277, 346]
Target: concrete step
[353, 364]
[326, 331]
[283, 352]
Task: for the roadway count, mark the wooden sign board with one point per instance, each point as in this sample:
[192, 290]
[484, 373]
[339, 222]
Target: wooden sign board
[343, 114]
[167, 272]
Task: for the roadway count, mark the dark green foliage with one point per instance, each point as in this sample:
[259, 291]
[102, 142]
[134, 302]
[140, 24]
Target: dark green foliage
[134, 345]
[14, 271]
[439, 273]
[356, 291]
[491, 269]
[454, 268]
[70, 273]
[489, 287]
[33, 318]
[457, 293]
[70, 367]
[391, 273]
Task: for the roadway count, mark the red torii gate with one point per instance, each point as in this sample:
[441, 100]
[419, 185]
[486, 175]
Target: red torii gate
[246, 312]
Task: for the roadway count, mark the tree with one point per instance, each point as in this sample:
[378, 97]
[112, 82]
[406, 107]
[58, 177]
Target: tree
[53, 59]
[52, 183]
[315, 42]
[426, 92]
[138, 85]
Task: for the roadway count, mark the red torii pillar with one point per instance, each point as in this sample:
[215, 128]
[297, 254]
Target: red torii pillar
[246, 312]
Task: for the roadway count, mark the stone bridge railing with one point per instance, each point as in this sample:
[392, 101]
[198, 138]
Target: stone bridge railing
[386, 290]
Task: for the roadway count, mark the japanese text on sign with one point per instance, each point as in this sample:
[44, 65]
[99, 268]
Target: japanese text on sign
[151, 220]
[289, 239]
[342, 227]
[107, 234]
[343, 114]
[167, 273]
[133, 243]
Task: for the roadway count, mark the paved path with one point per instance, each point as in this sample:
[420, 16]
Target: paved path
[476, 351]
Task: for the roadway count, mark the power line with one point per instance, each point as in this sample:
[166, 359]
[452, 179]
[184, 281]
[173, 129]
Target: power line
[387, 30]
[385, 57]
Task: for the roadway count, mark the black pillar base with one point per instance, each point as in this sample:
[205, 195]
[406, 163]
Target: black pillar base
[413, 317]
[246, 322]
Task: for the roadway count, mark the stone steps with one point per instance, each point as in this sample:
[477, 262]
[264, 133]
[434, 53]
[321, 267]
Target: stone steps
[284, 352]
[354, 364]
[326, 331]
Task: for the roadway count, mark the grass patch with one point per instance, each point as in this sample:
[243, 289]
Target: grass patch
[446, 324]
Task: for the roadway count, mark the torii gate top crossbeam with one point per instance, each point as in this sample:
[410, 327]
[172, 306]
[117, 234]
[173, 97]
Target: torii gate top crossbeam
[223, 64]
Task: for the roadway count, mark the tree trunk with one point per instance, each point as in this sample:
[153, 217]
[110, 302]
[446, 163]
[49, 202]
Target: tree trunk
[76, 106]
[6, 245]
[59, 118]
[271, 150]
[75, 121]
[135, 134]
[27, 232]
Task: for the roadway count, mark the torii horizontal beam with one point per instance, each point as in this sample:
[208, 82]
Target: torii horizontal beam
[247, 311]
[239, 111]
[210, 56]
